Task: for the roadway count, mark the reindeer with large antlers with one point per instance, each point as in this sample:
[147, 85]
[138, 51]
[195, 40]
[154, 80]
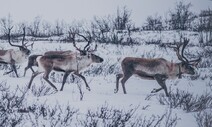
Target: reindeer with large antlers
[12, 56]
[158, 69]
[32, 59]
[67, 63]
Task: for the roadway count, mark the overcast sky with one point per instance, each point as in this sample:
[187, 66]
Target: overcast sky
[70, 10]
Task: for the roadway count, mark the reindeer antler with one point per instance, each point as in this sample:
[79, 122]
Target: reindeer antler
[88, 37]
[23, 39]
[185, 43]
[180, 54]
[176, 47]
[72, 36]
[9, 37]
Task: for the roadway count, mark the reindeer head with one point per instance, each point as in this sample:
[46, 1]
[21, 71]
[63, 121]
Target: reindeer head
[23, 47]
[186, 66]
[85, 52]
[94, 57]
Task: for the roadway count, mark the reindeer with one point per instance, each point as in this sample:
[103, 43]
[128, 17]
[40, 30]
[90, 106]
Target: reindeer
[32, 59]
[68, 63]
[158, 69]
[12, 56]
[31, 62]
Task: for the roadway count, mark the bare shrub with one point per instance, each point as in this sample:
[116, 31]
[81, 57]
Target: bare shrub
[187, 101]
[42, 90]
[206, 63]
[13, 112]
[107, 116]
[10, 103]
[165, 120]
[105, 68]
[204, 118]
[209, 84]
[42, 115]
[154, 42]
[4, 67]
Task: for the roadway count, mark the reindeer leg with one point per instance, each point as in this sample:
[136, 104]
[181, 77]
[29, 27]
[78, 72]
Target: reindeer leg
[32, 70]
[86, 84]
[124, 79]
[73, 78]
[25, 69]
[46, 78]
[8, 72]
[118, 76]
[13, 68]
[161, 81]
[64, 79]
[32, 77]
[156, 90]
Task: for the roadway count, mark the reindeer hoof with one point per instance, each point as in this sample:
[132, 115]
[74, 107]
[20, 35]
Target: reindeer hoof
[115, 90]
[154, 91]
[88, 88]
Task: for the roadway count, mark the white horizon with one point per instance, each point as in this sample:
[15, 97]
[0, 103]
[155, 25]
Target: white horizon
[80, 10]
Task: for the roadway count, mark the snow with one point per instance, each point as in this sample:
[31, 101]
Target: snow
[103, 85]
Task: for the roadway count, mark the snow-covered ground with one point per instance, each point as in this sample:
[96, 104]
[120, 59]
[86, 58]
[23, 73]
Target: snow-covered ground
[103, 84]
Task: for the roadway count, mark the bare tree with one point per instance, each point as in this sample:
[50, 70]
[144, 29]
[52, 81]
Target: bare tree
[101, 26]
[181, 17]
[122, 19]
[59, 28]
[34, 27]
[205, 26]
[6, 23]
[154, 23]
[46, 29]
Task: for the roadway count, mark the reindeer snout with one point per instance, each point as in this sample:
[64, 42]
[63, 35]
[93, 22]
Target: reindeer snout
[192, 72]
[96, 59]
[28, 52]
[101, 60]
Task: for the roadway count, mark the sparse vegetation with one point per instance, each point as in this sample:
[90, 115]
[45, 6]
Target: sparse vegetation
[187, 101]
[204, 118]
[119, 31]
